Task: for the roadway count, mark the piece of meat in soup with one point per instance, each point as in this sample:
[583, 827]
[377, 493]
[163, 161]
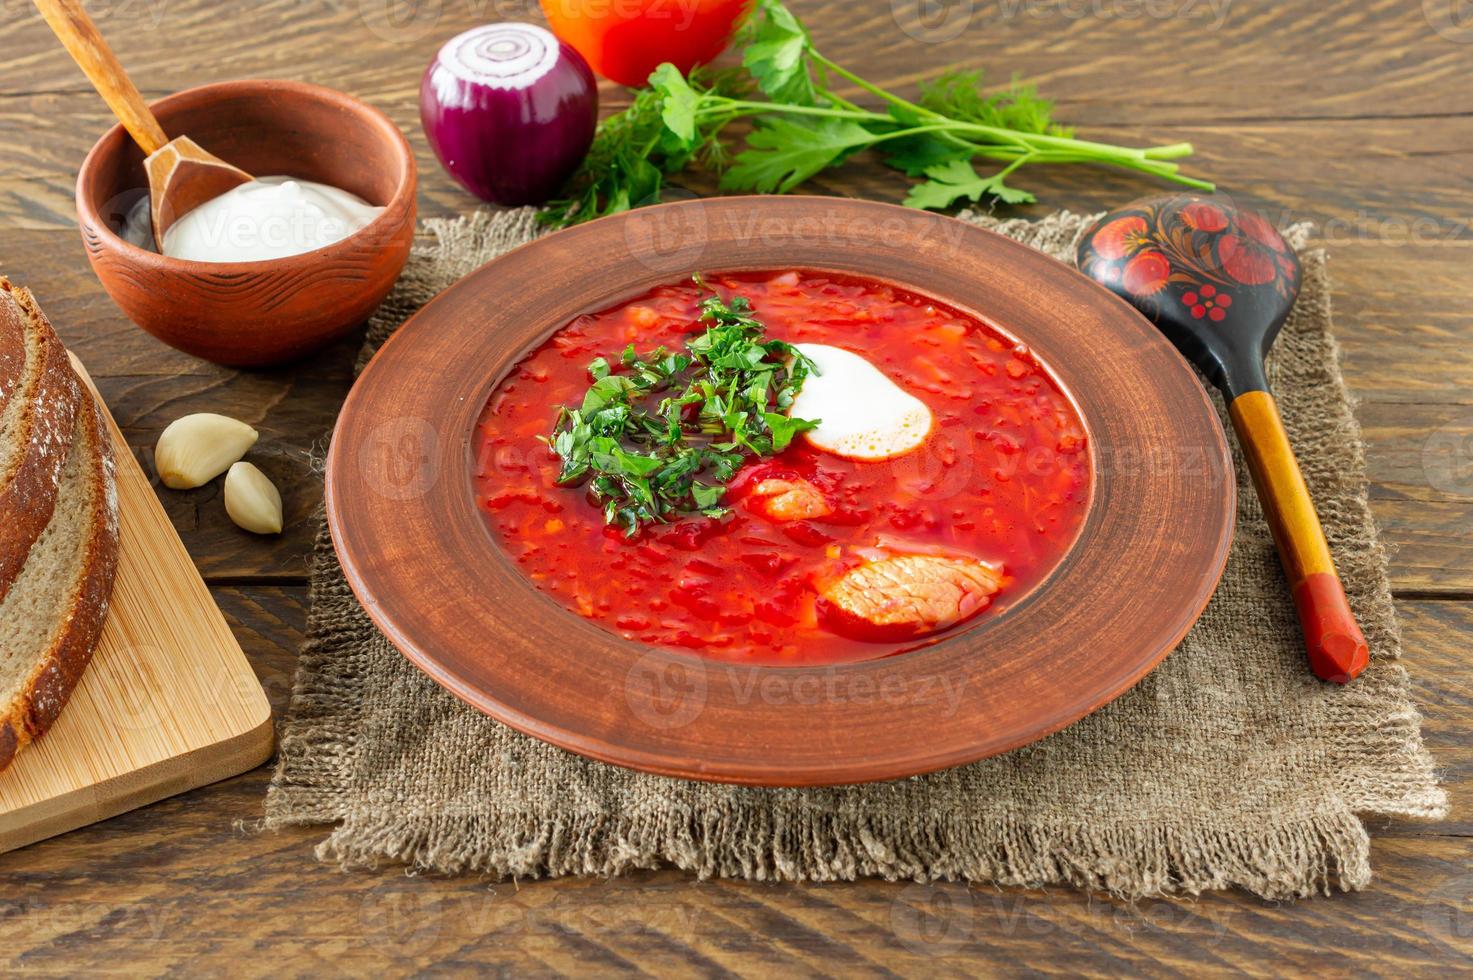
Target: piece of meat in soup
[909, 595]
[792, 499]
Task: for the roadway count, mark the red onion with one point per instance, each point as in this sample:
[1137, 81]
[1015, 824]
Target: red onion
[509, 110]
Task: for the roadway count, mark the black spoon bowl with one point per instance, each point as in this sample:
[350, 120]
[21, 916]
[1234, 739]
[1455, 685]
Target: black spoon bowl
[1219, 281]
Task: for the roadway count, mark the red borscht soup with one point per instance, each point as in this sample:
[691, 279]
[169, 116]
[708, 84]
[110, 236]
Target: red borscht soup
[947, 476]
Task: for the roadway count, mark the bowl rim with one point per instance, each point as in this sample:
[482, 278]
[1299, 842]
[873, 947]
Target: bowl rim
[384, 226]
[1179, 573]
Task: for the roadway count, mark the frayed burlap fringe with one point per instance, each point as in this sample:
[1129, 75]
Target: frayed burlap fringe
[1228, 766]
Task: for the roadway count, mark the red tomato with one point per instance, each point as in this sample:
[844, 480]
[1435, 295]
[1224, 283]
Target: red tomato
[625, 40]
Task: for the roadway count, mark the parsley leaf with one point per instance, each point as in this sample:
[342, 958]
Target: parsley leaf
[783, 429]
[706, 497]
[957, 179]
[777, 47]
[914, 154]
[678, 102]
[783, 153]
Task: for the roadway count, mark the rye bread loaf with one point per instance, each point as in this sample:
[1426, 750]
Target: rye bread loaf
[53, 614]
[39, 395]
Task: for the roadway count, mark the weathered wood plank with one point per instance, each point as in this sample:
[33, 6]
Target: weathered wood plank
[180, 883]
[1437, 640]
[1195, 59]
[1352, 116]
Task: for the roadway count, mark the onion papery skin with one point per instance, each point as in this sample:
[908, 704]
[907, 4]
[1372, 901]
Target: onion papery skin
[509, 111]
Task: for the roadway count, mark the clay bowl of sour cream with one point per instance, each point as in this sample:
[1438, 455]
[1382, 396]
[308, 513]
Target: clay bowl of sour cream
[275, 269]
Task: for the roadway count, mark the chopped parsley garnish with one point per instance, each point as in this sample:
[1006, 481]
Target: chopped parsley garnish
[659, 435]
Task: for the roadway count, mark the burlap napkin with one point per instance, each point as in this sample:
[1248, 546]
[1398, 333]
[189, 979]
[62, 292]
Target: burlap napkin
[1228, 766]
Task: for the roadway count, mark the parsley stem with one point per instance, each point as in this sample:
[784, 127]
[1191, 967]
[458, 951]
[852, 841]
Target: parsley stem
[1156, 168]
[1020, 140]
[871, 87]
[1170, 151]
[1025, 158]
[919, 130]
[997, 135]
[1007, 144]
[750, 107]
[839, 100]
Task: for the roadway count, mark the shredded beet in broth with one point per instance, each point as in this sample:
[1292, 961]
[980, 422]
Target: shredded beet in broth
[1004, 477]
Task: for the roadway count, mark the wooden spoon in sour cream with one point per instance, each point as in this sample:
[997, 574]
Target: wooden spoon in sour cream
[181, 174]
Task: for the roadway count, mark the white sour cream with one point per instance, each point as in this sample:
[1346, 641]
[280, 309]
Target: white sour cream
[268, 218]
[863, 414]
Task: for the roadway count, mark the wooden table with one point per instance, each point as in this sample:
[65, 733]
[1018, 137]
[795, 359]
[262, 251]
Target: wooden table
[1357, 116]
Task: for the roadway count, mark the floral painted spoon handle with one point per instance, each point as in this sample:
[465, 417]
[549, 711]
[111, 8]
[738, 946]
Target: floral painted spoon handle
[1219, 283]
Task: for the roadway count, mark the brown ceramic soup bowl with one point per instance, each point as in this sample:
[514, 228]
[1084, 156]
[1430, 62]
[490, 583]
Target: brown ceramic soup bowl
[411, 529]
[257, 313]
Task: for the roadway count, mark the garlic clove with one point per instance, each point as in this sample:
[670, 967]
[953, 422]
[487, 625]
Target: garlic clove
[195, 449]
[252, 500]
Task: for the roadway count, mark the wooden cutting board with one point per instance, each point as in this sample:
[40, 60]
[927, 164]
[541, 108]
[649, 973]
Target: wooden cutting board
[168, 703]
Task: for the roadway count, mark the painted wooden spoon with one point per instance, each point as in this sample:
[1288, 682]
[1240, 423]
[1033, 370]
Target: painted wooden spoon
[181, 174]
[1219, 282]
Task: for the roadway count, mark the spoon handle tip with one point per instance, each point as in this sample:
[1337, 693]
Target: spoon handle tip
[1337, 649]
[1336, 646]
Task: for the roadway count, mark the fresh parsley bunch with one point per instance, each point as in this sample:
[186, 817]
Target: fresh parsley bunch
[665, 433]
[801, 126]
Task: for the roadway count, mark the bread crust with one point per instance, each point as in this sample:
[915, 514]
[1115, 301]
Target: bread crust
[12, 349]
[59, 668]
[48, 408]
